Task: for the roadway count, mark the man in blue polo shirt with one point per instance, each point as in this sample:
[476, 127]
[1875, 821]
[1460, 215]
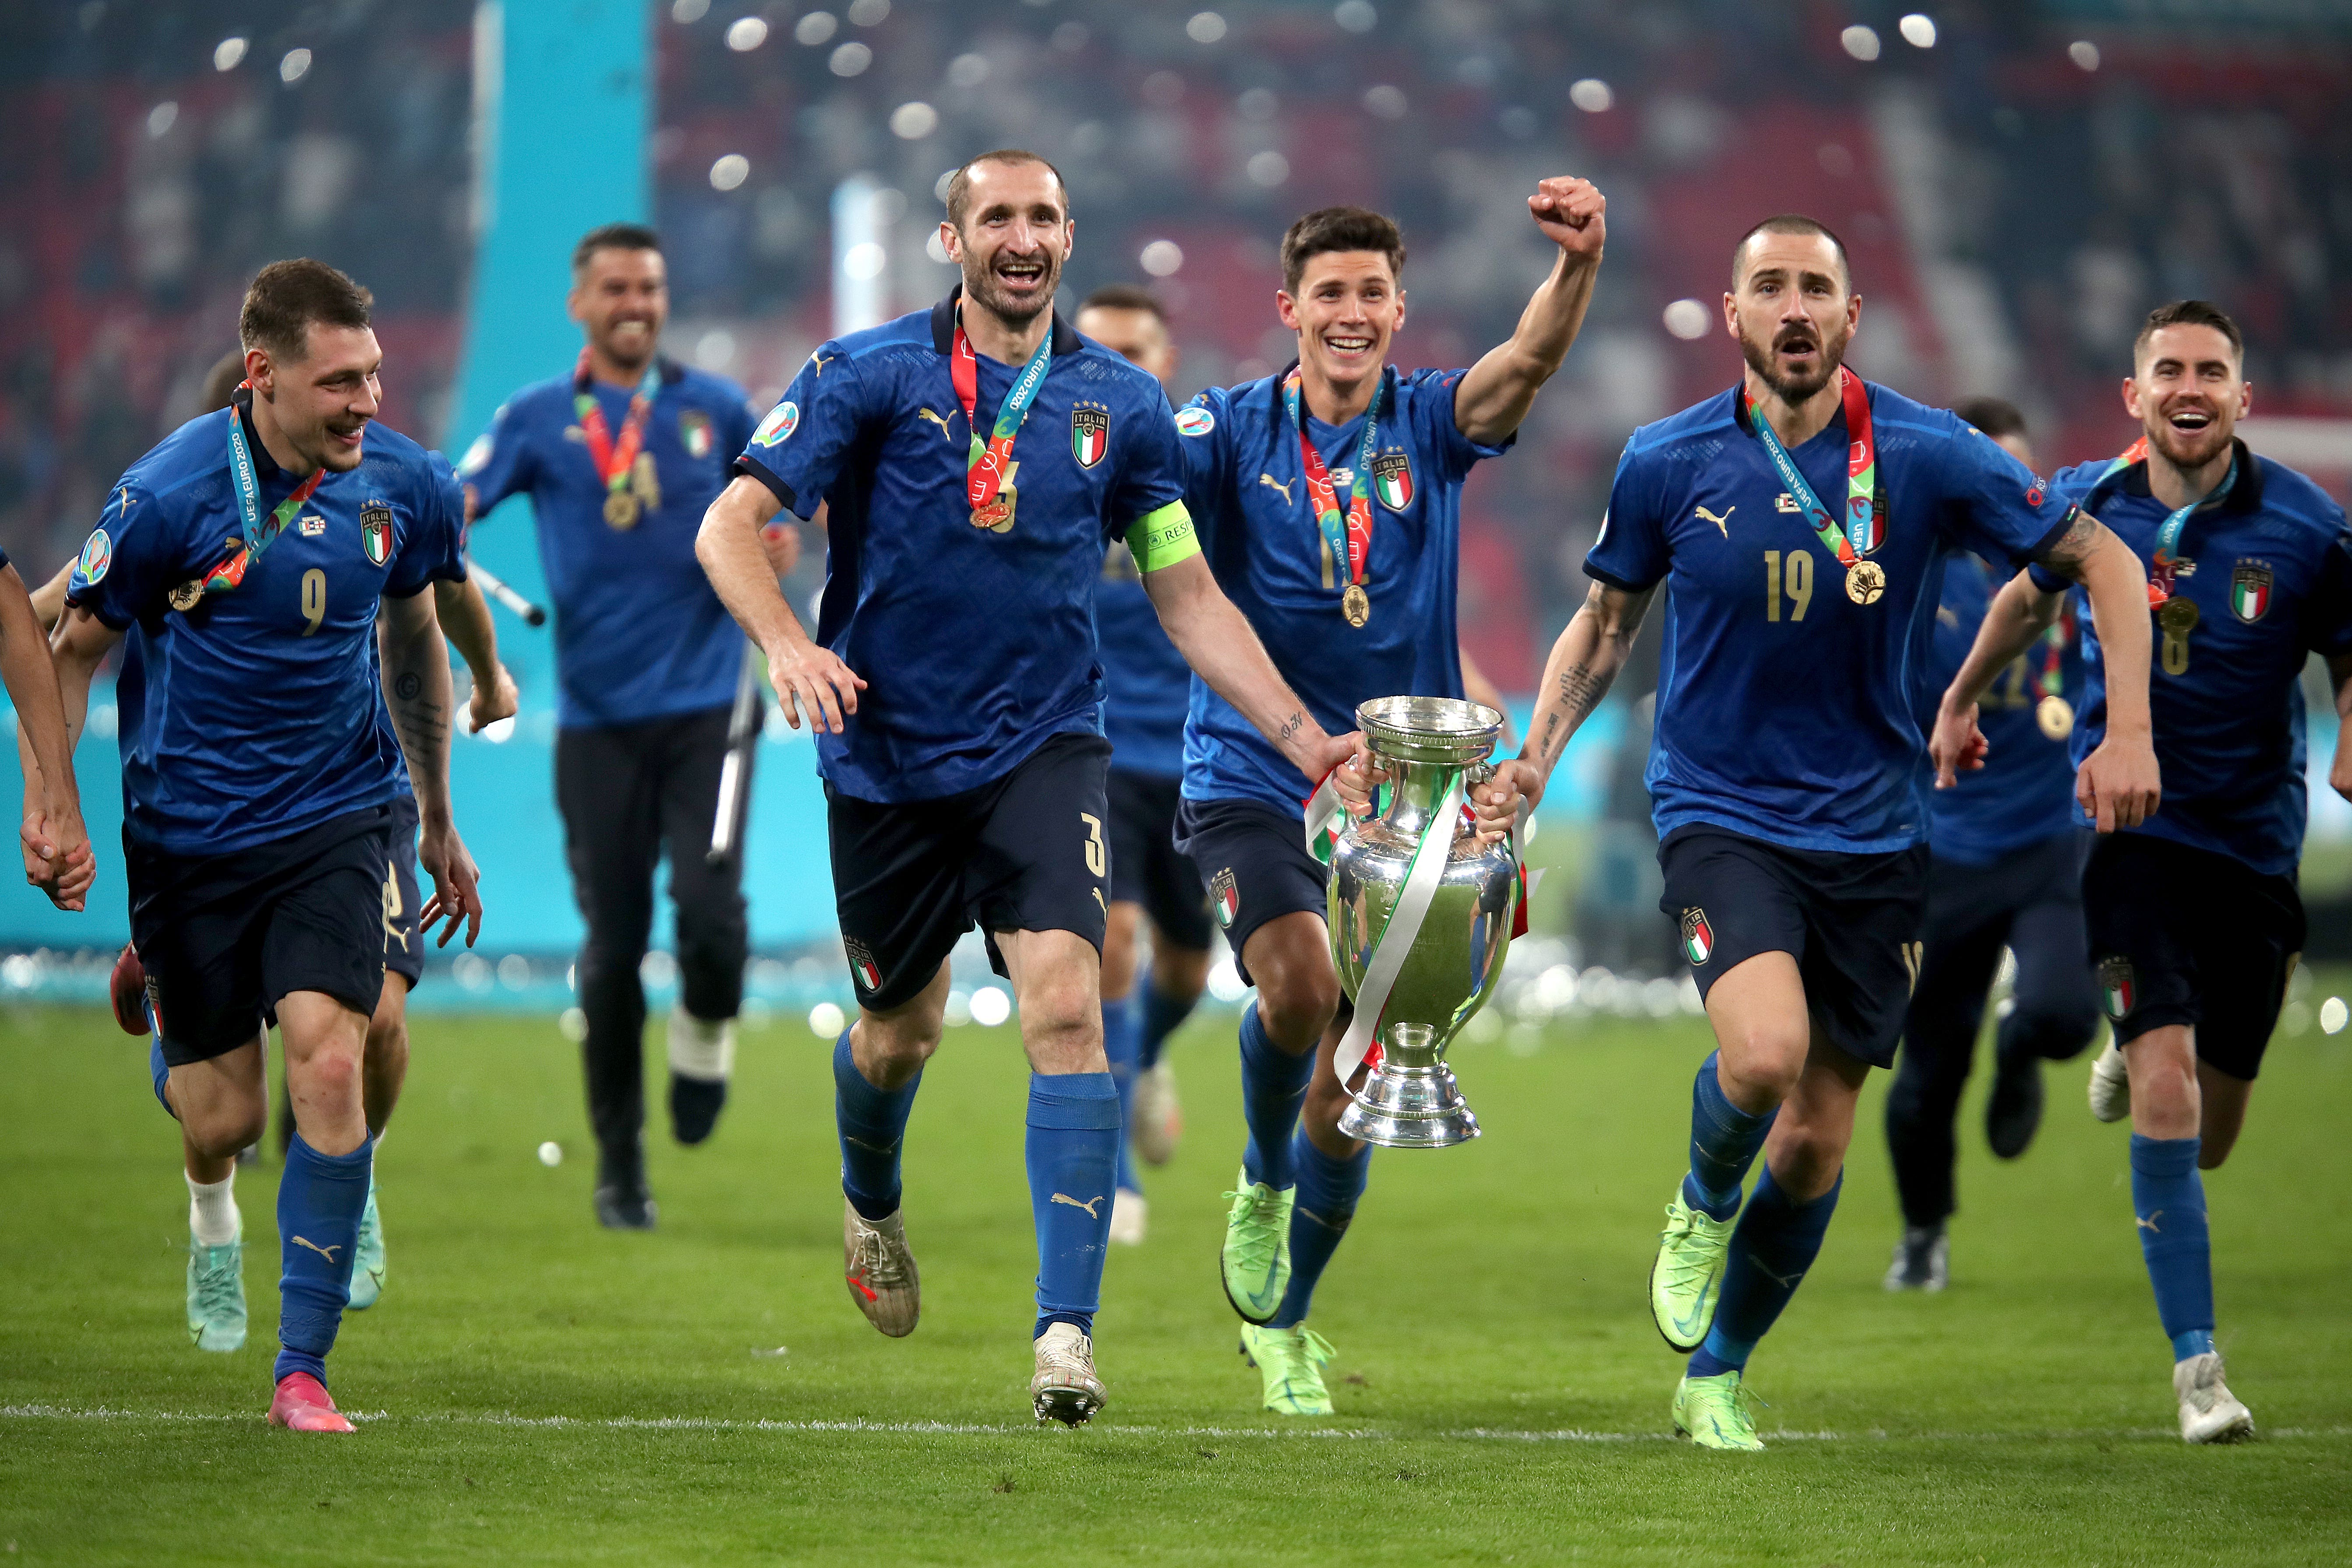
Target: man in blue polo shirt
[254, 555]
[620, 457]
[2194, 919]
[1804, 519]
[2005, 875]
[1329, 500]
[954, 686]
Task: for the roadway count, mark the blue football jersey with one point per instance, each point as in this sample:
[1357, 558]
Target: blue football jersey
[2024, 794]
[1149, 686]
[2269, 568]
[257, 714]
[1786, 710]
[977, 646]
[1247, 492]
[639, 632]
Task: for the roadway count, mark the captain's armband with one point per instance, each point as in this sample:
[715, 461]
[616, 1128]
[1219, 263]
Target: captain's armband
[1162, 538]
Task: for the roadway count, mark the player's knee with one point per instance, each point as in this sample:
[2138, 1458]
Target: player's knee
[1762, 1061]
[1807, 1161]
[226, 1125]
[1298, 1005]
[1180, 972]
[329, 1077]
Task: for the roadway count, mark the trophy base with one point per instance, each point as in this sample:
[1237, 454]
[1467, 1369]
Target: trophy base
[1410, 1107]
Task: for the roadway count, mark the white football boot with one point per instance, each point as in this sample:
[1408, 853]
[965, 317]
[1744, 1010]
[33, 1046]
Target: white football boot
[2110, 1084]
[2209, 1413]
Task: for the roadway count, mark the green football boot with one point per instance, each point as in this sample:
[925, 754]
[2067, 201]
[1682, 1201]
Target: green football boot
[1713, 1412]
[367, 1256]
[1256, 1262]
[216, 1295]
[1291, 1362]
[1687, 1278]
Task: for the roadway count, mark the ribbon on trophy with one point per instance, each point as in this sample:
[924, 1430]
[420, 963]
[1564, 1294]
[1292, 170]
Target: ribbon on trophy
[255, 531]
[1397, 932]
[1326, 815]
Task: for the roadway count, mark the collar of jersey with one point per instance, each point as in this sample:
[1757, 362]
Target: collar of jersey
[672, 372]
[2245, 490]
[1738, 396]
[943, 326]
[1385, 397]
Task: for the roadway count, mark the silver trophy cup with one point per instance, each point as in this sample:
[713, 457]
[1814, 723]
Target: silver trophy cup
[1409, 1100]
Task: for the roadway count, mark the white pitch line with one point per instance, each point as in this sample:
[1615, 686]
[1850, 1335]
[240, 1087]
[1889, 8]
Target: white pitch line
[980, 1430]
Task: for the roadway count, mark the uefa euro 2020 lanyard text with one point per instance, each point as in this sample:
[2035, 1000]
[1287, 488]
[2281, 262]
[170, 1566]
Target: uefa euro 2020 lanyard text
[1865, 528]
[1349, 539]
[616, 461]
[2177, 616]
[988, 469]
[255, 531]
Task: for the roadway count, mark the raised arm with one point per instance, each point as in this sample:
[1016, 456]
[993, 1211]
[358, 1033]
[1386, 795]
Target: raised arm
[80, 647]
[805, 676]
[1497, 393]
[464, 617]
[1222, 649]
[418, 690]
[1592, 647]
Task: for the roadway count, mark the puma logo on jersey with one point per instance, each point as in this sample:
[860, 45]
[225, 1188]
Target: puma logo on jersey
[1058, 1197]
[326, 1252]
[1272, 483]
[945, 434]
[1722, 524]
[818, 361]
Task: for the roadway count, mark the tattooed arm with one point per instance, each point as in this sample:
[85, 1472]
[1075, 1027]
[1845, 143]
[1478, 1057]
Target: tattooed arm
[1220, 646]
[1577, 676]
[2116, 783]
[418, 690]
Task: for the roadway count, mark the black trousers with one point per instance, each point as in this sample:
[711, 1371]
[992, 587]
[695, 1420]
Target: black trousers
[627, 793]
[2031, 903]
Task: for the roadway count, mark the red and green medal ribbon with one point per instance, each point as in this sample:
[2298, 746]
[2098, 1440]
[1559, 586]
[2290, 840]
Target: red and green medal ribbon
[1350, 538]
[986, 467]
[256, 531]
[2050, 679]
[2166, 565]
[615, 459]
[1866, 525]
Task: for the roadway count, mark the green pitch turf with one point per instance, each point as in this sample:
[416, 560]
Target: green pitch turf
[549, 1391]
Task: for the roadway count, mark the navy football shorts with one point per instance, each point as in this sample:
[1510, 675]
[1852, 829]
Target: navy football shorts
[1029, 851]
[2187, 936]
[225, 937]
[1146, 866]
[1253, 859]
[1851, 921]
[403, 941]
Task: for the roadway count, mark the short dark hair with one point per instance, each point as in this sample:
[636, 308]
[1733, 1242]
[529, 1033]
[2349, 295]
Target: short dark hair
[960, 184]
[1126, 296]
[2190, 314]
[1792, 223]
[1992, 416]
[1328, 229]
[287, 297]
[612, 236]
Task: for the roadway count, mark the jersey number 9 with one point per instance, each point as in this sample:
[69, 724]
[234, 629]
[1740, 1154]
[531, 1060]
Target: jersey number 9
[1792, 579]
[314, 599]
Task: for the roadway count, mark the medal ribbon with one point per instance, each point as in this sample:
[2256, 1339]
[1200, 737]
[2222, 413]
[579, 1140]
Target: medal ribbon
[985, 468]
[256, 531]
[1351, 539]
[615, 459]
[2050, 680]
[2167, 535]
[1865, 505]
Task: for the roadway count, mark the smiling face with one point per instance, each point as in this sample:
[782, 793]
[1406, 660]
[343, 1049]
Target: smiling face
[322, 402]
[620, 299]
[2188, 392]
[1347, 308]
[1793, 311]
[1015, 234]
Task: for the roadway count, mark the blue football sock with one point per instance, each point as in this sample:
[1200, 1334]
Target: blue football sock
[872, 1123]
[320, 1199]
[2168, 1201]
[1777, 1241]
[160, 1071]
[1328, 1191]
[1161, 1014]
[1723, 1143]
[1274, 1086]
[1072, 1154]
[1120, 1043]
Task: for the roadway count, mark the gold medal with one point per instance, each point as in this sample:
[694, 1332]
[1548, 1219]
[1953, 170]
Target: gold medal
[997, 515]
[2057, 717]
[187, 596]
[621, 509]
[1864, 582]
[2180, 616]
[1356, 605]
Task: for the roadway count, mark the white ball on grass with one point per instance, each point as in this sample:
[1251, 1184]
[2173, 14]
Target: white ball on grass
[551, 1154]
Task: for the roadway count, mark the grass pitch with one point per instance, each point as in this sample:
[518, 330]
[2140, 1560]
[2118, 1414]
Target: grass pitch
[550, 1392]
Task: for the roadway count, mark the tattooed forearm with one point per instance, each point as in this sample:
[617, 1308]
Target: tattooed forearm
[423, 727]
[1551, 725]
[1580, 690]
[1291, 726]
[2073, 546]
